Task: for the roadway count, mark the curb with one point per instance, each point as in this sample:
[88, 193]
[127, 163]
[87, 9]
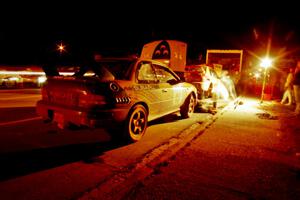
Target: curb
[121, 183]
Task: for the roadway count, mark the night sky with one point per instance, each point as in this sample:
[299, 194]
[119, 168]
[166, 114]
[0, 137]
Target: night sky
[30, 35]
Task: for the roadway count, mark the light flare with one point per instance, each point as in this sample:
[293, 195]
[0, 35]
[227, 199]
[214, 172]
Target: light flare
[266, 62]
[32, 73]
[61, 47]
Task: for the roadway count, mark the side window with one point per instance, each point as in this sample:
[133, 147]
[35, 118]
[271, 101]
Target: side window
[145, 73]
[163, 74]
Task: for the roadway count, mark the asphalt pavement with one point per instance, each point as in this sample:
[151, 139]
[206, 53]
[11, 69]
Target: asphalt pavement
[251, 151]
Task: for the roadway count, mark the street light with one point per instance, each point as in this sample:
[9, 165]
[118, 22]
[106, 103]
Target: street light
[265, 63]
[61, 48]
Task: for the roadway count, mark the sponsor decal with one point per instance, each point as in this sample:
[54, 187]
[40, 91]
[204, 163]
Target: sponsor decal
[114, 87]
[162, 51]
[142, 87]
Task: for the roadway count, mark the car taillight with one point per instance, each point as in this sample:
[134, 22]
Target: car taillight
[87, 100]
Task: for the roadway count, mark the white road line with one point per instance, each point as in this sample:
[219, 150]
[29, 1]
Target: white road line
[19, 121]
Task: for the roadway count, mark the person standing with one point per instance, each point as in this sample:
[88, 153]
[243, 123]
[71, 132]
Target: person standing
[288, 89]
[229, 84]
[296, 85]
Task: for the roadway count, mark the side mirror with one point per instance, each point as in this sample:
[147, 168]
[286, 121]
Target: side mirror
[173, 81]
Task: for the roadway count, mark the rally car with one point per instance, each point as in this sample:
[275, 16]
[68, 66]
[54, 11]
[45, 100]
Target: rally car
[128, 92]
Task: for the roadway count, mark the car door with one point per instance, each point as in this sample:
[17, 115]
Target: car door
[148, 89]
[170, 87]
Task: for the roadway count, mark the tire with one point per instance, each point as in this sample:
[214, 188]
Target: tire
[188, 107]
[136, 123]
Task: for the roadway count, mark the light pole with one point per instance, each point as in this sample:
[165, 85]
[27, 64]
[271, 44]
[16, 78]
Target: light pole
[265, 63]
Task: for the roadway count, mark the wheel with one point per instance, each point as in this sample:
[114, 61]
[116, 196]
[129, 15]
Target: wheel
[188, 107]
[136, 123]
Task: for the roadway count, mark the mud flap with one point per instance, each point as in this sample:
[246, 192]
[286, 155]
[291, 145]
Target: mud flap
[59, 119]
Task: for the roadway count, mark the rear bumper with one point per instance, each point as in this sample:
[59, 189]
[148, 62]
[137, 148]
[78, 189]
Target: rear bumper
[90, 118]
